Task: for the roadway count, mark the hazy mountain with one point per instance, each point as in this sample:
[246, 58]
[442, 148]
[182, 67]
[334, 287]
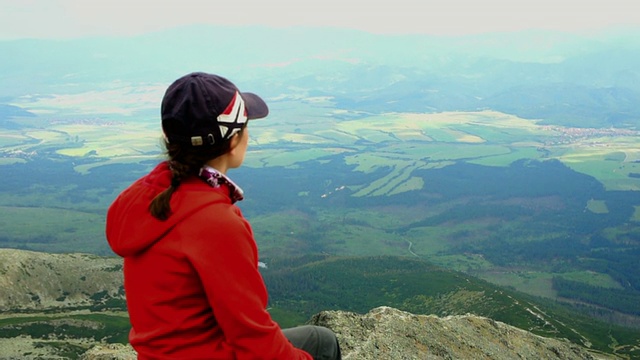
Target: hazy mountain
[536, 74]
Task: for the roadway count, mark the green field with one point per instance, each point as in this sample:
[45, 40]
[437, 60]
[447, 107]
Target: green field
[449, 224]
[402, 141]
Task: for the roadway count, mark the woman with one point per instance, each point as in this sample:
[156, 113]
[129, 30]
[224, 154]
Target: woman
[190, 260]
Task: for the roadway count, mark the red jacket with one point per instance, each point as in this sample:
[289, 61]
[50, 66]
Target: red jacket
[192, 282]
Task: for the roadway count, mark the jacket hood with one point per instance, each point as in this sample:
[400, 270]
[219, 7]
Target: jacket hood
[130, 227]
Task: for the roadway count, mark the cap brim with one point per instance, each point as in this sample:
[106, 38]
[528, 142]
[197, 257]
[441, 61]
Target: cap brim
[256, 107]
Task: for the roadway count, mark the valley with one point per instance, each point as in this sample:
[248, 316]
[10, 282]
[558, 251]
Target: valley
[484, 193]
[449, 175]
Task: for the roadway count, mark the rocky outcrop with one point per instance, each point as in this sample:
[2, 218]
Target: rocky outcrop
[110, 352]
[72, 296]
[388, 334]
[33, 280]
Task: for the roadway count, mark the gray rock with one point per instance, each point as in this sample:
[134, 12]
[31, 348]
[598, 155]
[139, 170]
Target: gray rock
[110, 352]
[32, 280]
[389, 334]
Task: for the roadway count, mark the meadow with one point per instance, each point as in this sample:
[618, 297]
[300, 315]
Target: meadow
[511, 200]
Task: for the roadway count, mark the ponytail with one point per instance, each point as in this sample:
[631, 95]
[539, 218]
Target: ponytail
[184, 161]
[160, 206]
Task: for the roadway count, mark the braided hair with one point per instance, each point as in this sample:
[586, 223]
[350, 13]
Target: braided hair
[184, 161]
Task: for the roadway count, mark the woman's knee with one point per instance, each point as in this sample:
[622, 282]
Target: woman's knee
[318, 341]
[329, 349]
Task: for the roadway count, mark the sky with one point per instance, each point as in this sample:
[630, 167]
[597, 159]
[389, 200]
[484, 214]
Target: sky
[63, 19]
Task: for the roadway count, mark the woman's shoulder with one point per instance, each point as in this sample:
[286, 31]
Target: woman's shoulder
[219, 211]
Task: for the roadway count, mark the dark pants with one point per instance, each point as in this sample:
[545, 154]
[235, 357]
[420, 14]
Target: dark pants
[318, 341]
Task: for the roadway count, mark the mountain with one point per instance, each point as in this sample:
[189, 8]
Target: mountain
[93, 311]
[31, 281]
[519, 73]
[388, 333]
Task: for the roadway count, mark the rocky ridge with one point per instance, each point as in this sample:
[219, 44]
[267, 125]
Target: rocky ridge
[388, 333]
[32, 280]
[65, 302]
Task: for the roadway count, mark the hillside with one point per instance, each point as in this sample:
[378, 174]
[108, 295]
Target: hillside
[388, 333]
[37, 281]
[92, 311]
[512, 157]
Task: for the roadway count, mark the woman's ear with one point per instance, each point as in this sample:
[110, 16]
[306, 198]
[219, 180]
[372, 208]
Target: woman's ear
[234, 141]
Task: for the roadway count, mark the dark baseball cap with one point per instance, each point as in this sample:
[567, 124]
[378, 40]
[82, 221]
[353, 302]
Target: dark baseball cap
[201, 109]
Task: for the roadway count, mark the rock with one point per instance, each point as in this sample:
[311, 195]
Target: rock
[32, 280]
[387, 333]
[110, 352]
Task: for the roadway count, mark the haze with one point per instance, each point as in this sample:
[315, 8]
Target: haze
[61, 19]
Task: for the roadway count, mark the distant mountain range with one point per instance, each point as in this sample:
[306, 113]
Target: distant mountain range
[566, 79]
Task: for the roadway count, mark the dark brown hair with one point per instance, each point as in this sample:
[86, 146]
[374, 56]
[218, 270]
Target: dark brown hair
[184, 161]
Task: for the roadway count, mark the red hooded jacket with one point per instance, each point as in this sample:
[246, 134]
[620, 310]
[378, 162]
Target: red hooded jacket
[192, 282]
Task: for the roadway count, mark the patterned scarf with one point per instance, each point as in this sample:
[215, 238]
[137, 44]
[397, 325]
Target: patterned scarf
[215, 178]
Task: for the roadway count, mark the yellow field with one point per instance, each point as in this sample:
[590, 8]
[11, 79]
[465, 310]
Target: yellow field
[401, 142]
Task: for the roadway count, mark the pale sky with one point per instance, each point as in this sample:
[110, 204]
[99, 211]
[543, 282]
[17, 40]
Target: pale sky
[60, 19]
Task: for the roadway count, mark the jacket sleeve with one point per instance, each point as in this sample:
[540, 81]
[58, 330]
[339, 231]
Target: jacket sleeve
[227, 263]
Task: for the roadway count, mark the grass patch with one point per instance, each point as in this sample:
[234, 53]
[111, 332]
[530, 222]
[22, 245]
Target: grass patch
[385, 185]
[287, 318]
[113, 139]
[528, 282]
[592, 278]
[110, 328]
[597, 206]
[515, 153]
[469, 263]
[11, 160]
[604, 163]
[55, 229]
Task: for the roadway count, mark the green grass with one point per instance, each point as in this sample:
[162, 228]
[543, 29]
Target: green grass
[597, 206]
[310, 285]
[636, 214]
[515, 153]
[56, 229]
[285, 158]
[68, 335]
[603, 163]
[387, 184]
[487, 138]
[99, 327]
[459, 151]
[85, 169]
[287, 318]
[592, 278]
[469, 263]
[10, 138]
[539, 283]
[11, 160]
[400, 143]
[528, 282]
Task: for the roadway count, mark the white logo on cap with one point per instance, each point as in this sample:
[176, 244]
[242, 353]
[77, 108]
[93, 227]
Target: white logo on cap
[233, 118]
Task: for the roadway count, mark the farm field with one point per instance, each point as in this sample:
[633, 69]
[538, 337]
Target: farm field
[481, 192]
